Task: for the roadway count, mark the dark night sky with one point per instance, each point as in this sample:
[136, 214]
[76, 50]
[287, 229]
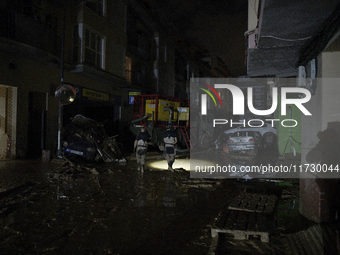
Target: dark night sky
[218, 26]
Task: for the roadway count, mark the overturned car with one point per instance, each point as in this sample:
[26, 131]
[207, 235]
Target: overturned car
[86, 139]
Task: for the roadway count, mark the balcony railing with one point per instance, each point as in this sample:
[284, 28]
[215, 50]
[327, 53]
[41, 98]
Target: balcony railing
[23, 29]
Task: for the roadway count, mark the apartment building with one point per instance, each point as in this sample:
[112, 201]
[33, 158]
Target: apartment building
[300, 39]
[108, 50]
[45, 44]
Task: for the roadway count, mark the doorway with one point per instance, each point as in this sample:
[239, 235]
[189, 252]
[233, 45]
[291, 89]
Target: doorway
[8, 117]
[37, 111]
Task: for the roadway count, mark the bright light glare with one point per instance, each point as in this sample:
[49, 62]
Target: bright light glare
[179, 163]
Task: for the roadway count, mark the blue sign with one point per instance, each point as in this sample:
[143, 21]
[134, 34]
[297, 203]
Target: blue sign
[131, 99]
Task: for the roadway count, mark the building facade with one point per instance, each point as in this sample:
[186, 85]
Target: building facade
[45, 44]
[286, 40]
[107, 50]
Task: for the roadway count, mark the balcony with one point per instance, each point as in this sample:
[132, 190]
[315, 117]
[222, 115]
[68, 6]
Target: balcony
[277, 46]
[20, 28]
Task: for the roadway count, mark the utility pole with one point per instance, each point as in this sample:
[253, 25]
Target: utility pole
[60, 116]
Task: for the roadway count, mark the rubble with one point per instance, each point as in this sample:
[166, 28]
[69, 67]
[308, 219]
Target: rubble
[122, 210]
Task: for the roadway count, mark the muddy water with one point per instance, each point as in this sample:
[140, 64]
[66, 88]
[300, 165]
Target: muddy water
[109, 209]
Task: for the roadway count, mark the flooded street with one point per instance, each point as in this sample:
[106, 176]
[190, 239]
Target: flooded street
[112, 208]
[108, 209]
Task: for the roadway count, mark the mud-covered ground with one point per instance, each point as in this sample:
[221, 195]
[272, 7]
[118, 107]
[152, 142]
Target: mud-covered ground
[64, 208]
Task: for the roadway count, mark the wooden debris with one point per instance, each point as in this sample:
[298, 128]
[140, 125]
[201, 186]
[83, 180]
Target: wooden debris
[244, 224]
[252, 202]
[247, 215]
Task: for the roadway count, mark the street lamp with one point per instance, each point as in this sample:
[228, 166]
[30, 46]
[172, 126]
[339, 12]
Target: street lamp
[64, 94]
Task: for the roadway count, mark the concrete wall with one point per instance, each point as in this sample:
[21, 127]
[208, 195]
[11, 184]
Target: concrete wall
[319, 198]
[8, 121]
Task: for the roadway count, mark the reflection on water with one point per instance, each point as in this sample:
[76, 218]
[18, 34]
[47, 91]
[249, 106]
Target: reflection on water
[182, 164]
[165, 192]
[214, 164]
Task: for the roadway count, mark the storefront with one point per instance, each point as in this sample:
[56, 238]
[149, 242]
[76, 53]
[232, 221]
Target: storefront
[102, 107]
[8, 119]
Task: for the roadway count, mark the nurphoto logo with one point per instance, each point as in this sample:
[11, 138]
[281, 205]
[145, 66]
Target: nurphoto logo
[204, 97]
[238, 99]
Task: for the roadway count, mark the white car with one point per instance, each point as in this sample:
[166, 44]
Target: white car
[267, 131]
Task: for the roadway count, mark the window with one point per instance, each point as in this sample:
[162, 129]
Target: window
[128, 69]
[97, 6]
[93, 49]
[88, 47]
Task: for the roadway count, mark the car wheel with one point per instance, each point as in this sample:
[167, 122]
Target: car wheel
[269, 140]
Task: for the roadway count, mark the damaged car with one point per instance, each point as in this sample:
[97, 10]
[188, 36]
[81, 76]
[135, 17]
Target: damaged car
[85, 139]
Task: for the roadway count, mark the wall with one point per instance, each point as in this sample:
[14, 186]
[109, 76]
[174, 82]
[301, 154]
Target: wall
[8, 119]
[319, 198]
[252, 13]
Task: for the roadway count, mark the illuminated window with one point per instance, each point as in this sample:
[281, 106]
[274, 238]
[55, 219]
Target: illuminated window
[128, 69]
[97, 6]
